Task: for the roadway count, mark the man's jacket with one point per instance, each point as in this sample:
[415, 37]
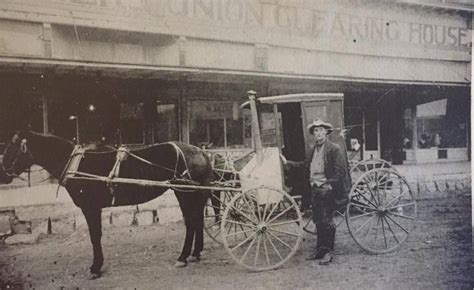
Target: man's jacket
[335, 169]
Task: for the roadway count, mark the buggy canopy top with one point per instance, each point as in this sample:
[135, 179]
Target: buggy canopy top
[296, 98]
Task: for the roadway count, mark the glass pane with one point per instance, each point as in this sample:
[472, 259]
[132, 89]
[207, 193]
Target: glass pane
[207, 122]
[235, 138]
[131, 123]
[371, 142]
[131, 131]
[353, 132]
[165, 127]
[442, 124]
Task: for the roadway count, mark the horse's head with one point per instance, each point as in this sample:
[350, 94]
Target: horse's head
[16, 157]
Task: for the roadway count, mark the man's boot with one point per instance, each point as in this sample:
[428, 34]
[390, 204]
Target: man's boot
[320, 251]
[331, 235]
[327, 258]
[329, 243]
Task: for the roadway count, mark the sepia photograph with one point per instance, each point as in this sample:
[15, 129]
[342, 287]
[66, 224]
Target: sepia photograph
[236, 144]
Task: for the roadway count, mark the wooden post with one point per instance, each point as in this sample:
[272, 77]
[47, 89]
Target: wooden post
[277, 127]
[225, 132]
[49, 229]
[255, 126]
[363, 141]
[414, 137]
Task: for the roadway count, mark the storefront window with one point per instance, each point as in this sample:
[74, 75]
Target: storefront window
[131, 123]
[371, 131]
[216, 124]
[353, 120]
[441, 124]
[165, 125]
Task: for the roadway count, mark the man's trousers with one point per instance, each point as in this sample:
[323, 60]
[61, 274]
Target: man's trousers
[323, 202]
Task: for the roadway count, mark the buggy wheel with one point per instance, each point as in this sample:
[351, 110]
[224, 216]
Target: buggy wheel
[262, 228]
[308, 224]
[213, 211]
[363, 166]
[381, 212]
[223, 168]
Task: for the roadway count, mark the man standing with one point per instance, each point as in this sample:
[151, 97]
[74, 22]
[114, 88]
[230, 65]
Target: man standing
[328, 181]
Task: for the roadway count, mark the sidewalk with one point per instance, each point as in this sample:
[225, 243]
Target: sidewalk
[434, 179]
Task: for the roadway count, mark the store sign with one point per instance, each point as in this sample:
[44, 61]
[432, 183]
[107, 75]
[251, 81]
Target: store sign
[316, 23]
[212, 110]
[275, 16]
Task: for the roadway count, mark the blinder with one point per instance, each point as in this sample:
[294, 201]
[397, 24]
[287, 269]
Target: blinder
[19, 157]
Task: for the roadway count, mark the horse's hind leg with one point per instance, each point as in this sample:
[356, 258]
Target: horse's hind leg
[214, 196]
[185, 203]
[188, 243]
[94, 222]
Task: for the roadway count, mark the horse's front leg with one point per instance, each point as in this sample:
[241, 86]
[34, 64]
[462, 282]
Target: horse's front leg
[199, 227]
[94, 222]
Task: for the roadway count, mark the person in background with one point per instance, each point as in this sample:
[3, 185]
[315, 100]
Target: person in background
[424, 141]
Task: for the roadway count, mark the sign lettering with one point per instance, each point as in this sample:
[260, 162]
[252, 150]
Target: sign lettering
[276, 17]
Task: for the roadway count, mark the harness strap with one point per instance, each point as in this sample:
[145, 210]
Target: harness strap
[115, 171]
[179, 152]
[148, 162]
[122, 154]
[78, 150]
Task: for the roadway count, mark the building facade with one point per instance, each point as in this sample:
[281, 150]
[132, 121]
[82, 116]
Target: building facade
[143, 71]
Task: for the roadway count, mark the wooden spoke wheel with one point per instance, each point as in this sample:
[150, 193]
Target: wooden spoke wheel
[308, 224]
[365, 165]
[262, 228]
[223, 167]
[381, 212]
[213, 211]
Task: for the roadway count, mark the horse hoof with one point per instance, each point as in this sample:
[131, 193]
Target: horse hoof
[194, 259]
[180, 264]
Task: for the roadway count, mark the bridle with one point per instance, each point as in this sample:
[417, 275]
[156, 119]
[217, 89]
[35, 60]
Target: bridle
[22, 151]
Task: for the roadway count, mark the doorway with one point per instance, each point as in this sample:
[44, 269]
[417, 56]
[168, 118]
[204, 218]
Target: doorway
[292, 127]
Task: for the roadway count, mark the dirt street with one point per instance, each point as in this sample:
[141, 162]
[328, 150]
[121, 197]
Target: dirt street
[436, 255]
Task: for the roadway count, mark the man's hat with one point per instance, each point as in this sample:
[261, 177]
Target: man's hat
[320, 123]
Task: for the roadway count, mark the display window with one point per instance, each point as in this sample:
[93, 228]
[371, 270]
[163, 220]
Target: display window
[165, 124]
[442, 124]
[217, 124]
[131, 123]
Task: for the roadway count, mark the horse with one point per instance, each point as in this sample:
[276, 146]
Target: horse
[171, 161]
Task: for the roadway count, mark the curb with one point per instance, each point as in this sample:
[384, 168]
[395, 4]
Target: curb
[434, 188]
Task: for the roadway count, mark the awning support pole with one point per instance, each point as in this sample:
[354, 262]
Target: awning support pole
[255, 127]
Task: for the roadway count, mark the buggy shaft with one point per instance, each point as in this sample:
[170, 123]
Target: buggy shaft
[151, 183]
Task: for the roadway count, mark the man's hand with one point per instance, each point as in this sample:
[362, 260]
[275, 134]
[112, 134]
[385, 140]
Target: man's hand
[326, 186]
